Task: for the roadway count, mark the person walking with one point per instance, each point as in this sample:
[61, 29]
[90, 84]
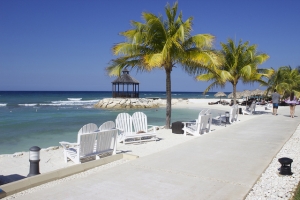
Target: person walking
[275, 101]
[292, 101]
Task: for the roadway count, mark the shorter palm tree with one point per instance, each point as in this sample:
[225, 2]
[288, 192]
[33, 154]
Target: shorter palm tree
[285, 80]
[240, 64]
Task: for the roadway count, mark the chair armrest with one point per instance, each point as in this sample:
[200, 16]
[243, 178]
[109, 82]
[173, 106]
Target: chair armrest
[185, 123]
[120, 129]
[67, 145]
[153, 127]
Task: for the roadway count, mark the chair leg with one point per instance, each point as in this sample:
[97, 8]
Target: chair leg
[65, 157]
[115, 148]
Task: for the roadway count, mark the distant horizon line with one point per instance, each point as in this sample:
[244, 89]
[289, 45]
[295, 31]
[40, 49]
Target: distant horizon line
[80, 91]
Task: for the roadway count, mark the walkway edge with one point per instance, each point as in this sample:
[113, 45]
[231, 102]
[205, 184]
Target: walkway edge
[27, 183]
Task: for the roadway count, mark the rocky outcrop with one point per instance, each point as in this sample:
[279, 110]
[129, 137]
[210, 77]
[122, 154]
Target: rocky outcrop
[120, 103]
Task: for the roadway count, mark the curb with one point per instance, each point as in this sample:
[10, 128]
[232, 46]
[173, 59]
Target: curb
[27, 183]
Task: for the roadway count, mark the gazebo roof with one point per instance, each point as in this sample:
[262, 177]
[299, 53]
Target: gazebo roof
[126, 78]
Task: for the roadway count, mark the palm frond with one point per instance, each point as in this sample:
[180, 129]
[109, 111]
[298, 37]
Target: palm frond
[205, 77]
[153, 60]
[213, 85]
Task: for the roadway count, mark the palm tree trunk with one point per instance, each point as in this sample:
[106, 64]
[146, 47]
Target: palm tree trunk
[234, 93]
[168, 93]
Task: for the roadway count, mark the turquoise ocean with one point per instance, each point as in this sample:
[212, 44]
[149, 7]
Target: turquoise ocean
[45, 118]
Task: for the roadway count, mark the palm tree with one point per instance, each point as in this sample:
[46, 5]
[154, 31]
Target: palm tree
[163, 44]
[285, 80]
[298, 68]
[240, 64]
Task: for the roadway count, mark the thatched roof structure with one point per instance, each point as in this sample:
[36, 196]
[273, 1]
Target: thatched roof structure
[125, 86]
[238, 95]
[126, 78]
[220, 94]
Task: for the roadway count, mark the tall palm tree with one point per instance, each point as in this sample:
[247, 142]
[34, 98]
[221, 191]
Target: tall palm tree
[240, 64]
[163, 44]
[285, 80]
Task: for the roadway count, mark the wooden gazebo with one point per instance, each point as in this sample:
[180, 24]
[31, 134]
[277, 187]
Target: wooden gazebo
[125, 86]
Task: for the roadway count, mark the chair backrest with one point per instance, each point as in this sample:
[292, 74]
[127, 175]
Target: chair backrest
[204, 123]
[252, 107]
[87, 142]
[198, 122]
[124, 122]
[139, 120]
[106, 140]
[207, 112]
[232, 114]
[202, 112]
[236, 112]
[107, 126]
[88, 128]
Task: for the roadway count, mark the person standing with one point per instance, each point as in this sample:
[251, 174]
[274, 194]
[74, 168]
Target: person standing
[292, 101]
[275, 101]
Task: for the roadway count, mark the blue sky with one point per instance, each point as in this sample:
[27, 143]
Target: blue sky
[66, 45]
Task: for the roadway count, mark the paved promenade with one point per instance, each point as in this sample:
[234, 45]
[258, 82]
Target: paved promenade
[223, 164]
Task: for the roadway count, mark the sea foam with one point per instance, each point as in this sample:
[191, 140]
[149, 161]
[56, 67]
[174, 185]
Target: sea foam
[28, 104]
[76, 103]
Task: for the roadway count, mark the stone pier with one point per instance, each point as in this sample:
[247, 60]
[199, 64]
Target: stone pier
[123, 103]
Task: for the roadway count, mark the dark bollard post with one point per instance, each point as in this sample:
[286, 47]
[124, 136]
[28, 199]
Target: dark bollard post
[227, 118]
[286, 164]
[34, 159]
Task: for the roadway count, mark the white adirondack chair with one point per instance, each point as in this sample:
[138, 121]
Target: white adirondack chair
[124, 124]
[140, 125]
[232, 115]
[107, 126]
[139, 120]
[201, 126]
[82, 149]
[106, 142]
[250, 110]
[88, 128]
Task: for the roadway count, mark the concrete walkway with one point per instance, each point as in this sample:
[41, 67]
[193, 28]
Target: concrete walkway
[224, 164]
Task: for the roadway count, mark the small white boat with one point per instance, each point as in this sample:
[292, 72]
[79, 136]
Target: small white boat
[74, 99]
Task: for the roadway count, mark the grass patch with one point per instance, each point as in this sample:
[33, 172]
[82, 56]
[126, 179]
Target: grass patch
[297, 193]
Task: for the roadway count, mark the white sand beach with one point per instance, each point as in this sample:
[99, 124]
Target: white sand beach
[16, 166]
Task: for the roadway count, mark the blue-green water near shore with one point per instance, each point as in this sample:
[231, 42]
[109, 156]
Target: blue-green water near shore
[45, 118]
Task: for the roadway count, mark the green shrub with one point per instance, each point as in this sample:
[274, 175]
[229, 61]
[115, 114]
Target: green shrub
[297, 193]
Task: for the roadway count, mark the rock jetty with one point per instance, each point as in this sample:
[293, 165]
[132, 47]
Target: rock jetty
[121, 103]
